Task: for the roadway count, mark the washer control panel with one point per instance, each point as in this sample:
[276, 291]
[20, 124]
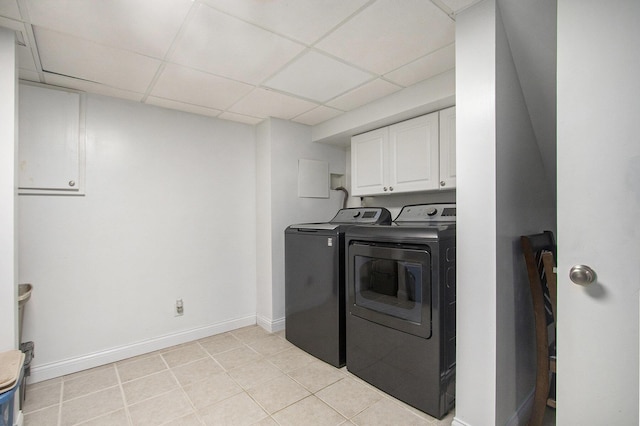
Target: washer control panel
[375, 215]
[445, 212]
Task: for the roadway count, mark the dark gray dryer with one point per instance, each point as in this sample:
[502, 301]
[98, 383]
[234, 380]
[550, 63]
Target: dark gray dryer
[401, 293]
[315, 282]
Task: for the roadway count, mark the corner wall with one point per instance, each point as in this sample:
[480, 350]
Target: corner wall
[8, 197]
[284, 143]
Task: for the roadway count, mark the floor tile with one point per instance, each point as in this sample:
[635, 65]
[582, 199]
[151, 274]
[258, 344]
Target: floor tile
[252, 374]
[278, 393]
[250, 334]
[43, 396]
[237, 357]
[190, 420]
[387, 413]
[88, 383]
[184, 354]
[238, 410]
[269, 345]
[211, 390]
[44, 417]
[148, 387]
[196, 371]
[160, 409]
[140, 367]
[87, 371]
[92, 405]
[117, 418]
[290, 359]
[316, 375]
[220, 343]
[267, 421]
[44, 383]
[309, 411]
[348, 397]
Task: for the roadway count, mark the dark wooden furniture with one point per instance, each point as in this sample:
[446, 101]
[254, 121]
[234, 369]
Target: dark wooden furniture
[539, 252]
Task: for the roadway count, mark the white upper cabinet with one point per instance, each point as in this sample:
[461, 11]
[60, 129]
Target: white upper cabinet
[448, 148]
[51, 141]
[405, 157]
[413, 154]
[369, 168]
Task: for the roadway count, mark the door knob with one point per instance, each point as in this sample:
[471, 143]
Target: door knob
[582, 275]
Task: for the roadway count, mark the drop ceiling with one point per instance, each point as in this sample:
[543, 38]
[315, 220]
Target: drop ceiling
[241, 60]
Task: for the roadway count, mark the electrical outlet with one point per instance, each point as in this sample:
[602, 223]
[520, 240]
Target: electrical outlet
[179, 307]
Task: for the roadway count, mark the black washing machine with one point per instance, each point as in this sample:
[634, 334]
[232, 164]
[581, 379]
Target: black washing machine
[401, 306]
[315, 282]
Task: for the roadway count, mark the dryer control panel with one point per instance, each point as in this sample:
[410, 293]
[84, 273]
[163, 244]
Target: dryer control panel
[445, 212]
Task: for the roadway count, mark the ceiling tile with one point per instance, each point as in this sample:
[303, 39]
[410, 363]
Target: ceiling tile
[384, 37]
[171, 104]
[199, 88]
[143, 26]
[226, 46]
[317, 115]
[88, 86]
[9, 8]
[426, 67]
[459, 5]
[364, 94]
[63, 54]
[265, 103]
[303, 20]
[318, 77]
[25, 58]
[240, 118]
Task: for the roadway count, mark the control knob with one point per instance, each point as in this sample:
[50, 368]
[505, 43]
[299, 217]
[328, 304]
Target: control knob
[356, 215]
[431, 211]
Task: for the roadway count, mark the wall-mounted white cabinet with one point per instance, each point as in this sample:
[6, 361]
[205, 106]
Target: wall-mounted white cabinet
[448, 148]
[405, 157]
[51, 140]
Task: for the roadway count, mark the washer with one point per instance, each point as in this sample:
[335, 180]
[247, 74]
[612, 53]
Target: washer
[401, 293]
[315, 282]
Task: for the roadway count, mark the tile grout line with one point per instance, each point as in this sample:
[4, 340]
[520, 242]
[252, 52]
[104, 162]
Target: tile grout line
[122, 394]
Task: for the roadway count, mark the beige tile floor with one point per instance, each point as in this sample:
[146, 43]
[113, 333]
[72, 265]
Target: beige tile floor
[243, 377]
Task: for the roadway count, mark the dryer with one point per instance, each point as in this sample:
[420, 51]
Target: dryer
[401, 294]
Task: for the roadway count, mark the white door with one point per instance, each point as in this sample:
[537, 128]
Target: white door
[598, 210]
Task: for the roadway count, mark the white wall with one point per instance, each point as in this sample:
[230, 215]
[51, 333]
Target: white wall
[8, 198]
[285, 143]
[476, 220]
[169, 212]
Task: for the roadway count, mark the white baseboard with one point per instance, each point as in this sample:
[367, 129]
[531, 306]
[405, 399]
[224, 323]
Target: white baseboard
[271, 326]
[520, 417]
[73, 365]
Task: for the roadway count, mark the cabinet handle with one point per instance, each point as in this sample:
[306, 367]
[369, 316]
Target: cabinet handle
[442, 183]
[72, 183]
[391, 188]
[385, 189]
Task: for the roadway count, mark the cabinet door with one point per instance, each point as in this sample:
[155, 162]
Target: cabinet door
[413, 154]
[368, 162]
[448, 148]
[50, 150]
